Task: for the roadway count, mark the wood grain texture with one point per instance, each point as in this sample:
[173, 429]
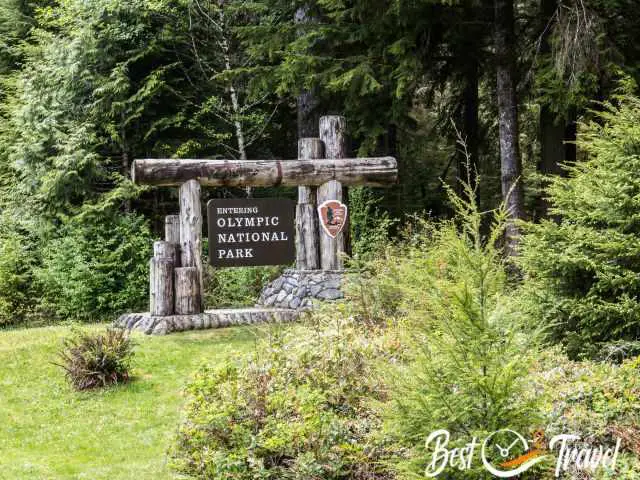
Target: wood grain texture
[161, 286]
[309, 149]
[375, 171]
[333, 135]
[307, 247]
[188, 300]
[164, 249]
[172, 229]
[191, 234]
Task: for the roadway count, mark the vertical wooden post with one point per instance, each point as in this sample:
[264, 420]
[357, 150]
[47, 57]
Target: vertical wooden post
[191, 234]
[333, 135]
[172, 234]
[187, 291]
[161, 278]
[307, 249]
[164, 249]
[161, 286]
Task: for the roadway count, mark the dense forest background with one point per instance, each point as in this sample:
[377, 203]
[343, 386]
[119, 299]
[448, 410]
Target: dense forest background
[86, 87]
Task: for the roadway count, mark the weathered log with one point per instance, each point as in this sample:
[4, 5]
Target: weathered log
[307, 249]
[164, 249]
[380, 171]
[333, 134]
[161, 286]
[187, 283]
[172, 229]
[309, 149]
[191, 234]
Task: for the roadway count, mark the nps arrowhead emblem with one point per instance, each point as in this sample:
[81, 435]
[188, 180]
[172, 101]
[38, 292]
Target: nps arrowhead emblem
[333, 217]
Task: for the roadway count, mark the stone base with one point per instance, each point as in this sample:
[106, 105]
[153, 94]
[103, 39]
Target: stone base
[149, 324]
[297, 289]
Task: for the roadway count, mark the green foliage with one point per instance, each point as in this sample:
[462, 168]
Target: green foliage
[582, 273]
[369, 224]
[97, 360]
[236, 287]
[597, 401]
[470, 352]
[96, 268]
[300, 407]
[16, 263]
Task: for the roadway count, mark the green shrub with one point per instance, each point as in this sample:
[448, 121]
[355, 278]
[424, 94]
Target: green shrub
[597, 401]
[369, 224]
[96, 268]
[16, 264]
[97, 360]
[583, 273]
[236, 287]
[470, 353]
[302, 407]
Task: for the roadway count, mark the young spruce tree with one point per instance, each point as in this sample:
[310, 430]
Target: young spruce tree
[471, 352]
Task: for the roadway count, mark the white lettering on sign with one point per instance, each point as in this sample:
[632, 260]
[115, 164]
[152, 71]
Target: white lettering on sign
[226, 211]
[236, 253]
[253, 237]
[234, 222]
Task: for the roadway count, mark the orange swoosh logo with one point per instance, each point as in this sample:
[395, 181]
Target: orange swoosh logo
[522, 458]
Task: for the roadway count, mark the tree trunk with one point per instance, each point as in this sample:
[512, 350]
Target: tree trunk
[126, 168]
[233, 94]
[307, 101]
[468, 167]
[468, 158]
[307, 114]
[510, 161]
[552, 128]
[191, 234]
[552, 153]
[333, 134]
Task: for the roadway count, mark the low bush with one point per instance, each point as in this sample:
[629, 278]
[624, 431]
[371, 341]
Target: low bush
[97, 360]
[303, 406]
[236, 287]
[96, 268]
[369, 224]
[598, 401]
[16, 264]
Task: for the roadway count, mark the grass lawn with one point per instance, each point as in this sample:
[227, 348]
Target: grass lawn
[48, 431]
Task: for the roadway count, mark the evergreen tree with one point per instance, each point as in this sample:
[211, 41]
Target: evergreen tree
[582, 274]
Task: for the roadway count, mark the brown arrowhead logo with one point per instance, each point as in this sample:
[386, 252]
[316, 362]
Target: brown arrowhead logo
[333, 217]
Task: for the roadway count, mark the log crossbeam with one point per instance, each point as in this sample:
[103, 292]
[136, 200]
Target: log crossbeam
[375, 171]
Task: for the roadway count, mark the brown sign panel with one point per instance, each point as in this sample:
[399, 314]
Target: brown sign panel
[249, 232]
[333, 217]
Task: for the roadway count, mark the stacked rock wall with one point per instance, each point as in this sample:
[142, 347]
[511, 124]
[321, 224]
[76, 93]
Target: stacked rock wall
[298, 288]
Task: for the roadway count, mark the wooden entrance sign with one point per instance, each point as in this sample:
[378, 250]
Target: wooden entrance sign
[320, 172]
